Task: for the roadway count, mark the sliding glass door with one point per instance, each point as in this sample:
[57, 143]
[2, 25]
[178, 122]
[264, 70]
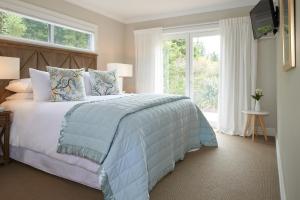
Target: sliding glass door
[191, 68]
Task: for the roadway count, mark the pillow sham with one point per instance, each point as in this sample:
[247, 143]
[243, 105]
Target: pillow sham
[22, 85]
[40, 84]
[104, 82]
[66, 84]
[20, 96]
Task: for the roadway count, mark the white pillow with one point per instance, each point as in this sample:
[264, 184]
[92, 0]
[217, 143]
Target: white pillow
[40, 84]
[20, 96]
[22, 85]
[87, 84]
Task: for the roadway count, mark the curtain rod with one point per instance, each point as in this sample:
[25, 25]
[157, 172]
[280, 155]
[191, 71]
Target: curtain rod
[191, 25]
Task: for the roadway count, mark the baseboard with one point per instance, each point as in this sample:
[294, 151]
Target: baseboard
[280, 173]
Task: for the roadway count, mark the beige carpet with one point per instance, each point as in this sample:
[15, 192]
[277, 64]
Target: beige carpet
[237, 170]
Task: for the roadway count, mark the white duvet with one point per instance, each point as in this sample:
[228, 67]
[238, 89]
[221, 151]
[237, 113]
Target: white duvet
[36, 126]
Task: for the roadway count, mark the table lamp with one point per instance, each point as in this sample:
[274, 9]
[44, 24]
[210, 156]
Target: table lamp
[9, 69]
[123, 70]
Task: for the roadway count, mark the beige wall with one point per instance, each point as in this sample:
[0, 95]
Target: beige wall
[266, 79]
[110, 44]
[288, 108]
[266, 53]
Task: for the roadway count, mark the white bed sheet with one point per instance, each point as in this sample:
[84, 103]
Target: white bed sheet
[36, 127]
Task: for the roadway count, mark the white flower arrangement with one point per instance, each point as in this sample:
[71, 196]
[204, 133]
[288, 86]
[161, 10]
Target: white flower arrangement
[258, 94]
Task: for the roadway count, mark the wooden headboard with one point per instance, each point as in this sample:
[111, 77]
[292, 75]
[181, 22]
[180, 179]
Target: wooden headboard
[38, 57]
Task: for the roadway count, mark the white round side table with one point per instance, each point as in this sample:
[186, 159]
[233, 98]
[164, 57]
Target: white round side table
[252, 117]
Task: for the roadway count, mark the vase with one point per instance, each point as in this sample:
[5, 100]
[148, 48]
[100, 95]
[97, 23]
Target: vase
[257, 106]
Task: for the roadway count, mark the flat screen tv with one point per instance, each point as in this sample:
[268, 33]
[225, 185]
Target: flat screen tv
[264, 18]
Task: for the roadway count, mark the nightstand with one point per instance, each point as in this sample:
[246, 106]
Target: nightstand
[252, 118]
[4, 136]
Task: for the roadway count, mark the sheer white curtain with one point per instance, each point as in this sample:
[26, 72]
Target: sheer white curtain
[237, 73]
[149, 60]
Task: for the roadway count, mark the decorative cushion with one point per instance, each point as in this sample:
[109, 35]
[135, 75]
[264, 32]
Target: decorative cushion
[40, 85]
[104, 82]
[66, 84]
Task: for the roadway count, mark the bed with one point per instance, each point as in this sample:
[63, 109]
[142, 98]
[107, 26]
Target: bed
[146, 143]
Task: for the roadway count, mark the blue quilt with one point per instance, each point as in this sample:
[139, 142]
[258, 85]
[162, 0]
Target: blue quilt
[136, 139]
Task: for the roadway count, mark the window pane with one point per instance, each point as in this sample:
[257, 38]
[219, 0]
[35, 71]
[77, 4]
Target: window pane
[174, 66]
[72, 38]
[205, 75]
[17, 26]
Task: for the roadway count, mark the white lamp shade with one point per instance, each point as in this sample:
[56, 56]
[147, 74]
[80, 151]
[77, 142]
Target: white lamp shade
[9, 68]
[123, 70]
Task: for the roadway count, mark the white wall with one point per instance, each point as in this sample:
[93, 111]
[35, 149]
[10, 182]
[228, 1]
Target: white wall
[110, 44]
[266, 54]
[288, 108]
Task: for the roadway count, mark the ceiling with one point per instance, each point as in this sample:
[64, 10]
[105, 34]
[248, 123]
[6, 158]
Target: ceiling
[130, 11]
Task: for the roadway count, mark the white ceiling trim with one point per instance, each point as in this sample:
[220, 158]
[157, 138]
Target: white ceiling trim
[233, 4]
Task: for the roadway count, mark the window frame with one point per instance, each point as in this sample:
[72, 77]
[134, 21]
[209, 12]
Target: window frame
[51, 18]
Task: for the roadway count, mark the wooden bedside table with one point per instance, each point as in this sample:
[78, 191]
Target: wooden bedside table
[4, 136]
[252, 118]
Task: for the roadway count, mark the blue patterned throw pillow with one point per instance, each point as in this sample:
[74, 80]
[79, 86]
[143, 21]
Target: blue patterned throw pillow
[104, 82]
[66, 84]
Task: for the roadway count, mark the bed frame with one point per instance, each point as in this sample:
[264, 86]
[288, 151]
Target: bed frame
[38, 57]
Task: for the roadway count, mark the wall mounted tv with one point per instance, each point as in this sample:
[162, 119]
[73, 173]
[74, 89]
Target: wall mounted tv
[264, 18]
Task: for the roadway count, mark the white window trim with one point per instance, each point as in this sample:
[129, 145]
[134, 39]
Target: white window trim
[45, 15]
[188, 32]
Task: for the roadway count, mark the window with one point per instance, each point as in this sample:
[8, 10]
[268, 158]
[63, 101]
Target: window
[191, 68]
[18, 26]
[175, 62]
[68, 37]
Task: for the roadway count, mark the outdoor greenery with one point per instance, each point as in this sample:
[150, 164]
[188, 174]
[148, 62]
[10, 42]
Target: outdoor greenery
[174, 66]
[70, 37]
[205, 73]
[21, 27]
